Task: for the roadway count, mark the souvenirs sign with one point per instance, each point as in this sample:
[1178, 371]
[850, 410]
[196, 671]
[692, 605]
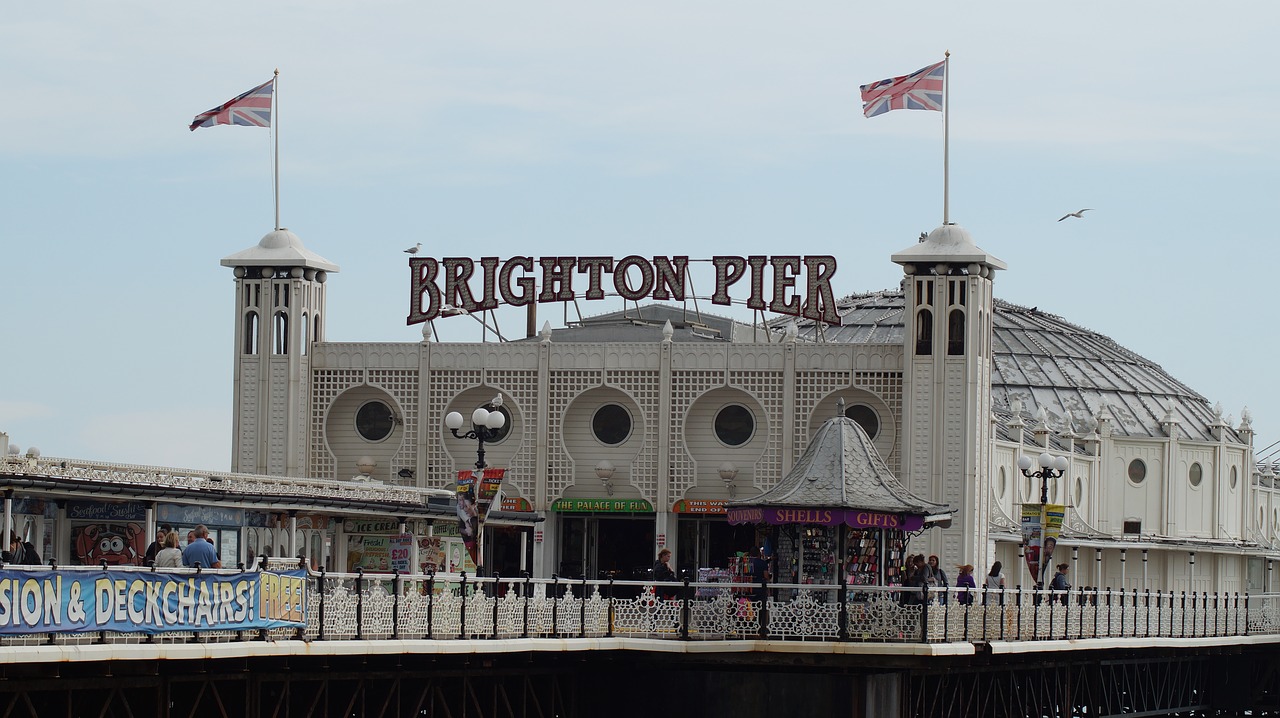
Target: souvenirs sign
[452, 282]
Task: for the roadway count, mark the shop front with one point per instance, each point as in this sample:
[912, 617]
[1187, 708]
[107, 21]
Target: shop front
[839, 516]
[226, 526]
[605, 538]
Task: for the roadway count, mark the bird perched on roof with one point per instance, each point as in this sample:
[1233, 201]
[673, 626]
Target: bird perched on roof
[414, 249]
[1078, 214]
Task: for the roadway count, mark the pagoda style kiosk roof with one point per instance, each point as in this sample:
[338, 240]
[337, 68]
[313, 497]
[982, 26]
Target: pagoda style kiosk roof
[839, 479]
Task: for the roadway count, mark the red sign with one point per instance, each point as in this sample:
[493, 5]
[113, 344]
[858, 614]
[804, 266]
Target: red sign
[438, 285]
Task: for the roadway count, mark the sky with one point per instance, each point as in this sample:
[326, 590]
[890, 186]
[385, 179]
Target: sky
[504, 128]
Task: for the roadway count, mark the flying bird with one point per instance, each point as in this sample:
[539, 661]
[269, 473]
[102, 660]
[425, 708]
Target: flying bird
[1079, 214]
[414, 249]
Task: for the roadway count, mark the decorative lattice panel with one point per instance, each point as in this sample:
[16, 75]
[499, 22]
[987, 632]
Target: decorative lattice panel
[278, 419]
[811, 388]
[521, 389]
[565, 387]
[686, 387]
[402, 385]
[766, 387]
[326, 385]
[888, 386]
[247, 441]
[442, 388]
[643, 388]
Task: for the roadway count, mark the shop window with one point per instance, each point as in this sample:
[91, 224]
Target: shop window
[375, 421]
[1137, 471]
[611, 424]
[1195, 474]
[866, 417]
[735, 425]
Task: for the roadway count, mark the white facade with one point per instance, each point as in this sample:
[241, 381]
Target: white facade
[945, 424]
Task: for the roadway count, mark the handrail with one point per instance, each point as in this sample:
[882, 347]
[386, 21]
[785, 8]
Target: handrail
[450, 606]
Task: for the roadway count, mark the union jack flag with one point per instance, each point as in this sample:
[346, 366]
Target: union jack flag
[253, 109]
[921, 90]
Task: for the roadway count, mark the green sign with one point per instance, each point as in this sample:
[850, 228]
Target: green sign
[605, 505]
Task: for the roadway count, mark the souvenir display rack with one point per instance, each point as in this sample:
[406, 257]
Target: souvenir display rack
[863, 565]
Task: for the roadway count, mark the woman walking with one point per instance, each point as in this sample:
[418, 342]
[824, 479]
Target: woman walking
[995, 581]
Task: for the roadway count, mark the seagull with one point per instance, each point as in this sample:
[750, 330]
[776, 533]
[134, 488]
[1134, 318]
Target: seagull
[414, 249]
[1077, 214]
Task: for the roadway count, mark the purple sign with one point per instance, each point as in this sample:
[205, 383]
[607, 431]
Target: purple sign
[857, 518]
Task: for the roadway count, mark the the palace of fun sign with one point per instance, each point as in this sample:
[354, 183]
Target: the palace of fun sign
[74, 601]
[770, 283]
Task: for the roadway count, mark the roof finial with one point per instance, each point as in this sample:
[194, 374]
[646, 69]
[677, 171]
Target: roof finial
[840, 407]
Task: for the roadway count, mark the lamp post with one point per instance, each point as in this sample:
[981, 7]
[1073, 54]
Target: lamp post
[1050, 468]
[486, 423]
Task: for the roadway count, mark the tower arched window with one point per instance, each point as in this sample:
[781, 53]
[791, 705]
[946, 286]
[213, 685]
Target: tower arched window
[955, 332]
[251, 333]
[316, 335]
[306, 333]
[924, 332]
[280, 333]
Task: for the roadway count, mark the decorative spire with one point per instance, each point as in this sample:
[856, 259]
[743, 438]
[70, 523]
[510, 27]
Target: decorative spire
[667, 331]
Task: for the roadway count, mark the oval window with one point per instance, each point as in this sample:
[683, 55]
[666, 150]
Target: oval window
[866, 417]
[1078, 494]
[375, 420]
[735, 425]
[1002, 484]
[1137, 471]
[1235, 476]
[611, 424]
[1196, 474]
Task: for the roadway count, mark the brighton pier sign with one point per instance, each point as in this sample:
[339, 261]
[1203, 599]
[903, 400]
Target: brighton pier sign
[448, 283]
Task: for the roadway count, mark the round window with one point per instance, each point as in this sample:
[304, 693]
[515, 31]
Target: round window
[1196, 474]
[866, 417]
[375, 421]
[735, 425]
[1137, 471]
[611, 424]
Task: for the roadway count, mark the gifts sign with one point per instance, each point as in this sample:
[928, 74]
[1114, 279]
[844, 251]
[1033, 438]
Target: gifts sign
[476, 495]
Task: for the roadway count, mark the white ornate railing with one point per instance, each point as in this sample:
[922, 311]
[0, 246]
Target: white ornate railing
[356, 606]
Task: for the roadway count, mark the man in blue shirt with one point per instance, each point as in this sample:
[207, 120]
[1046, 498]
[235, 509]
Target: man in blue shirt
[200, 552]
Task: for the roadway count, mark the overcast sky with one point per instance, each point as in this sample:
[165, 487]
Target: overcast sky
[500, 128]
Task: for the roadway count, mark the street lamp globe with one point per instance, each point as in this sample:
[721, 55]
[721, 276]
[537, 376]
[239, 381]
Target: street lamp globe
[495, 420]
[1024, 462]
[453, 420]
[1046, 460]
[1061, 464]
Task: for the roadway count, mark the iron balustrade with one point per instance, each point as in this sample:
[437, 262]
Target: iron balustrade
[370, 606]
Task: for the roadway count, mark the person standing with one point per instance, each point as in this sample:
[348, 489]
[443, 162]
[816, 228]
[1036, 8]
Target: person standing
[939, 579]
[757, 572]
[170, 556]
[154, 548]
[21, 553]
[994, 582]
[662, 571]
[965, 581]
[1060, 583]
[200, 552]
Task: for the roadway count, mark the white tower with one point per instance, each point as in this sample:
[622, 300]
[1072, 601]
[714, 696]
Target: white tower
[279, 314]
[947, 384]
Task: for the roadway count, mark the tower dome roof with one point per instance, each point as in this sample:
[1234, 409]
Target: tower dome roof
[279, 248]
[951, 244]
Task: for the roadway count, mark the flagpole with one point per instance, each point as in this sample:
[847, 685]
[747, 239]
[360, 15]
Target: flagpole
[946, 136]
[275, 126]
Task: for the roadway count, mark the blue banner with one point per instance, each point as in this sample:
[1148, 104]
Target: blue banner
[62, 601]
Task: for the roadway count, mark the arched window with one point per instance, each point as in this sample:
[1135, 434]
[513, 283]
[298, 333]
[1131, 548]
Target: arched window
[955, 332]
[280, 332]
[251, 333]
[924, 332]
[317, 335]
[306, 331]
